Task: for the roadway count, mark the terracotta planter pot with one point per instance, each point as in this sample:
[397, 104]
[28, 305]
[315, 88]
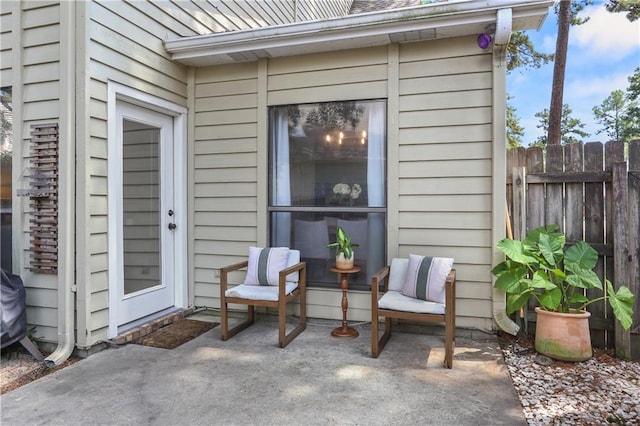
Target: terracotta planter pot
[563, 336]
[343, 263]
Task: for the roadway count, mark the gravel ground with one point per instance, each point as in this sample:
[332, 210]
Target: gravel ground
[18, 367]
[603, 390]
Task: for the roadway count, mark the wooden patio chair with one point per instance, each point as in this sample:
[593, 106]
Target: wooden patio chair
[275, 277]
[396, 304]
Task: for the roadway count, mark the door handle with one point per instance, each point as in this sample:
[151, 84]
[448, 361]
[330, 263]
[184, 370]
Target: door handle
[172, 226]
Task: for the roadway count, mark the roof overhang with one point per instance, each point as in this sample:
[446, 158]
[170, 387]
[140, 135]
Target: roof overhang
[454, 18]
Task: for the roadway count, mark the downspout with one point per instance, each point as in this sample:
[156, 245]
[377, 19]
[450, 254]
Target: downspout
[66, 192]
[502, 35]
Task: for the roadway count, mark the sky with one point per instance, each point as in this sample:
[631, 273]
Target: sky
[603, 53]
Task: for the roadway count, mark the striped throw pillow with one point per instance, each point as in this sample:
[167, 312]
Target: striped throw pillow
[265, 264]
[426, 277]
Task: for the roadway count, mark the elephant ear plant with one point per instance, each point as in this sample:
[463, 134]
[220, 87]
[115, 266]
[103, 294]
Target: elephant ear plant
[541, 267]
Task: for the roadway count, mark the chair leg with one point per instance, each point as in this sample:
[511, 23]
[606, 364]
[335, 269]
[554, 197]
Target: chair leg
[224, 319]
[227, 333]
[382, 341]
[374, 336]
[449, 344]
[283, 338]
[282, 324]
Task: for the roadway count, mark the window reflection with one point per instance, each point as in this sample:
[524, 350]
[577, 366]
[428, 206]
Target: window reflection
[327, 169]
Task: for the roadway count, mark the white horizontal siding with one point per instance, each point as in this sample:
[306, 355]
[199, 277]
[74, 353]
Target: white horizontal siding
[444, 170]
[361, 74]
[225, 171]
[7, 42]
[123, 44]
[35, 30]
[445, 163]
[444, 129]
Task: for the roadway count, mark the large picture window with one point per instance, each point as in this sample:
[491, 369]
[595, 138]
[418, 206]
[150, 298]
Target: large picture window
[328, 169]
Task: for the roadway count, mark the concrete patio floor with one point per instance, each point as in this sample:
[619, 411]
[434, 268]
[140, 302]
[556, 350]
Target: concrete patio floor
[316, 380]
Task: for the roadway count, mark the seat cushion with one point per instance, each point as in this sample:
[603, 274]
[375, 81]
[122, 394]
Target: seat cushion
[396, 301]
[265, 265]
[255, 292]
[426, 277]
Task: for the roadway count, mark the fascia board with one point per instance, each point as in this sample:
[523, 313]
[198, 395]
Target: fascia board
[376, 28]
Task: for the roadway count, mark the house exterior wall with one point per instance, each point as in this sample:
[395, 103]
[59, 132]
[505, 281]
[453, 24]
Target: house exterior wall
[439, 159]
[59, 57]
[31, 64]
[123, 42]
[7, 38]
[445, 165]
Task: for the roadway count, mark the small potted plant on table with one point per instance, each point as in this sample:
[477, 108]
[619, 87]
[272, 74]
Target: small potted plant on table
[558, 277]
[344, 249]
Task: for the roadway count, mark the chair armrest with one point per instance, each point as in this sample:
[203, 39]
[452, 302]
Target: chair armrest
[293, 268]
[381, 275]
[451, 279]
[224, 271]
[282, 277]
[450, 289]
[234, 267]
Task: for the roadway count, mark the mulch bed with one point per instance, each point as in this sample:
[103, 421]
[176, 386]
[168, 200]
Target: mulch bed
[175, 334]
[18, 367]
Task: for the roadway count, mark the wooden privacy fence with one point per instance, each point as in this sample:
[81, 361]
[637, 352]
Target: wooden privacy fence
[593, 193]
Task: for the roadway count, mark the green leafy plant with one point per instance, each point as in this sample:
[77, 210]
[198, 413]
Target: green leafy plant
[558, 277]
[343, 243]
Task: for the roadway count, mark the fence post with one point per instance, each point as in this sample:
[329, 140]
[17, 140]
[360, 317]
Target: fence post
[519, 198]
[621, 253]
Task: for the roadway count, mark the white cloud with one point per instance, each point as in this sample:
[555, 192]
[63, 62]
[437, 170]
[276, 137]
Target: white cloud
[607, 34]
[597, 89]
[548, 44]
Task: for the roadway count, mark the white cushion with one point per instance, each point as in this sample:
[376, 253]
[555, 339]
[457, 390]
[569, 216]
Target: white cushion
[398, 273]
[292, 259]
[426, 277]
[396, 301]
[258, 292]
[265, 265]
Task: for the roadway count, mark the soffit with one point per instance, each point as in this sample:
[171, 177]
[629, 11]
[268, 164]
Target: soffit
[429, 22]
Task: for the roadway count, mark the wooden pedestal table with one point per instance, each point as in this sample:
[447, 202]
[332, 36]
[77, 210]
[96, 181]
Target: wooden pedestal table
[345, 330]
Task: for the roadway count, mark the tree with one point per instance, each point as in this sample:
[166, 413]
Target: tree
[521, 53]
[633, 91]
[570, 127]
[613, 115]
[515, 131]
[631, 6]
[6, 120]
[567, 16]
[633, 110]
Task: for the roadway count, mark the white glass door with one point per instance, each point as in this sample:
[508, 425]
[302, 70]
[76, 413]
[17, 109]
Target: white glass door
[146, 213]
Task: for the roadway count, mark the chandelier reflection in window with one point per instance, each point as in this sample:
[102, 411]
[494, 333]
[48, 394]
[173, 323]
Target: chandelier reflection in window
[346, 137]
